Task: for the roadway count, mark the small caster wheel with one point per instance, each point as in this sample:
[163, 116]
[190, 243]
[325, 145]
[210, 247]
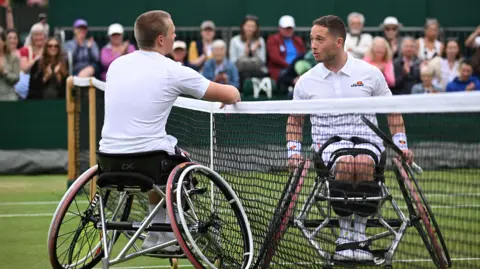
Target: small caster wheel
[173, 263]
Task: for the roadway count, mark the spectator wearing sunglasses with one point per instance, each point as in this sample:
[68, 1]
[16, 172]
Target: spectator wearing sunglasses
[391, 28]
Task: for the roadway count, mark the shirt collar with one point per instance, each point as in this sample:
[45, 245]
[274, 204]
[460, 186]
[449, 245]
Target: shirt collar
[346, 69]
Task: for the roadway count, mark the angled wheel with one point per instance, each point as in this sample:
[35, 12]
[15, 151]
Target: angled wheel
[424, 222]
[283, 214]
[74, 242]
[208, 218]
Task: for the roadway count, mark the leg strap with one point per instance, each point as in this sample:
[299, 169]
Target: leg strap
[363, 245]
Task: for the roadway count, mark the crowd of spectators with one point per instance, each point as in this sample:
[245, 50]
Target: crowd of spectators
[39, 68]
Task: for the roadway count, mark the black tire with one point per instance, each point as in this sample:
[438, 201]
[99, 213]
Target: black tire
[86, 218]
[422, 216]
[280, 221]
[239, 252]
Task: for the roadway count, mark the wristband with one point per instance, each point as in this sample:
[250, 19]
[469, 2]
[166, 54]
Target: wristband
[400, 140]
[294, 147]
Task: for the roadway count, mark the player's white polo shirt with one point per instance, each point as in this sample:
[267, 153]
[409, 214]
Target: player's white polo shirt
[140, 91]
[357, 78]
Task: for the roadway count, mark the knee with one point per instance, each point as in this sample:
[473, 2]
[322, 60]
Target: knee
[345, 168]
[364, 168]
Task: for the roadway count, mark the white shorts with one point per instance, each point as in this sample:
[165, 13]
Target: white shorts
[327, 152]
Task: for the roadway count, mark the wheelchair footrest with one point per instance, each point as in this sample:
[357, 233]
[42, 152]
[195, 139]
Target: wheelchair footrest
[133, 226]
[394, 223]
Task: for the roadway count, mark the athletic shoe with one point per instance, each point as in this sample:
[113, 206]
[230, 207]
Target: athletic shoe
[343, 255]
[150, 240]
[360, 254]
[165, 237]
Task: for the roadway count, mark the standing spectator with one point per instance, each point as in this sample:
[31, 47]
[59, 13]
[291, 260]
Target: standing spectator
[9, 71]
[30, 53]
[465, 81]
[115, 48]
[450, 62]
[429, 46]
[283, 47]
[357, 43]
[42, 20]
[219, 69]
[201, 50]
[406, 68]
[49, 73]
[391, 29]
[380, 55]
[84, 53]
[248, 51]
[179, 54]
[13, 41]
[426, 86]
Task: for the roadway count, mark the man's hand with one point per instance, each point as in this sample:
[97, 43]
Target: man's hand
[223, 105]
[90, 42]
[470, 87]
[408, 155]
[294, 161]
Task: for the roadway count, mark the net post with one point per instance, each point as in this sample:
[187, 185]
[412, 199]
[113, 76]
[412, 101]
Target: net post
[92, 129]
[70, 108]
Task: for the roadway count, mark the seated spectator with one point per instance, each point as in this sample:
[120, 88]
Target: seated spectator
[248, 51]
[219, 69]
[426, 86]
[391, 31]
[85, 53]
[473, 40]
[299, 66]
[30, 53]
[49, 73]
[357, 43]
[12, 41]
[450, 62]
[179, 53]
[283, 47]
[201, 50]
[115, 48]
[380, 55]
[9, 71]
[406, 68]
[465, 81]
[429, 46]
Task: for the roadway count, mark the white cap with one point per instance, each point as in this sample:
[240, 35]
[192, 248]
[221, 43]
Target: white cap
[390, 21]
[286, 21]
[115, 29]
[178, 44]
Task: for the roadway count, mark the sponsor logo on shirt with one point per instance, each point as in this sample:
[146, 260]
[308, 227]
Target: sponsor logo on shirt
[358, 84]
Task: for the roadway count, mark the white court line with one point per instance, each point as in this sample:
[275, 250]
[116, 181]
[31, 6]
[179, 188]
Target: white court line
[36, 203]
[429, 260]
[149, 267]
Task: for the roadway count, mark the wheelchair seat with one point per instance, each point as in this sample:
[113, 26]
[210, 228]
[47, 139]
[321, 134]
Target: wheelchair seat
[135, 170]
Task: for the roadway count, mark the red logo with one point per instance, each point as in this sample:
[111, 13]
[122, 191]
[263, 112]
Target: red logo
[359, 83]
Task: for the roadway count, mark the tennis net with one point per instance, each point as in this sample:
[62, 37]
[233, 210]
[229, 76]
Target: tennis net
[246, 144]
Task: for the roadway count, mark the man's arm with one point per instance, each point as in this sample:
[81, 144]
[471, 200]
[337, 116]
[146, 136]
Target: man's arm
[295, 127]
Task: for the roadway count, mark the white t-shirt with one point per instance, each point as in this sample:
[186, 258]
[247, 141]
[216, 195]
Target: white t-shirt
[141, 88]
[356, 79]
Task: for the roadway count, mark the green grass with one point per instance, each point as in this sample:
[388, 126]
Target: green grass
[24, 237]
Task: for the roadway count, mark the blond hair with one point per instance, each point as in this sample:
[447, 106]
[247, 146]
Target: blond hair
[149, 26]
[388, 51]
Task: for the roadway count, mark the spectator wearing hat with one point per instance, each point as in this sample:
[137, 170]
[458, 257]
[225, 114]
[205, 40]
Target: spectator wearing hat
[84, 52]
[357, 43]
[201, 50]
[283, 47]
[115, 48]
[391, 29]
[219, 69]
[179, 54]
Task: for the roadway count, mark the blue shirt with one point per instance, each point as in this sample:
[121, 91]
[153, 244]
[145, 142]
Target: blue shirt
[291, 51]
[457, 85]
[211, 69]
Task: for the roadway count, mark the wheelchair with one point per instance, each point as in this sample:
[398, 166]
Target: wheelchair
[321, 200]
[107, 206]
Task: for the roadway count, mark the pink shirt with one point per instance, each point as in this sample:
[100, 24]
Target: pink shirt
[107, 56]
[387, 71]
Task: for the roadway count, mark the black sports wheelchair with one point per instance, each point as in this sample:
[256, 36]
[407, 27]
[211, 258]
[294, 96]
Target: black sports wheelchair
[103, 217]
[368, 198]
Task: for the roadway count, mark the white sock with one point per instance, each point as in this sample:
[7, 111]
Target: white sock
[360, 225]
[345, 224]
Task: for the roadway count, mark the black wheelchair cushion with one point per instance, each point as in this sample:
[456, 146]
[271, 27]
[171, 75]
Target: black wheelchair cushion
[122, 180]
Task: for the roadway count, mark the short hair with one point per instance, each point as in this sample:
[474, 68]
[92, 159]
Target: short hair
[431, 21]
[149, 26]
[356, 14]
[219, 44]
[467, 62]
[334, 24]
[408, 38]
[426, 71]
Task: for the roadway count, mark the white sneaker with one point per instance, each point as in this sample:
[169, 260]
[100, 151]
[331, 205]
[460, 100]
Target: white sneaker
[343, 255]
[165, 237]
[362, 255]
[150, 240]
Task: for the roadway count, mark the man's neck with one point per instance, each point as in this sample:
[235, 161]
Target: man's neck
[159, 50]
[337, 63]
[219, 61]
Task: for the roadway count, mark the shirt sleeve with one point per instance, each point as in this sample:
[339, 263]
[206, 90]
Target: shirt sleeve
[189, 82]
[380, 87]
[298, 90]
